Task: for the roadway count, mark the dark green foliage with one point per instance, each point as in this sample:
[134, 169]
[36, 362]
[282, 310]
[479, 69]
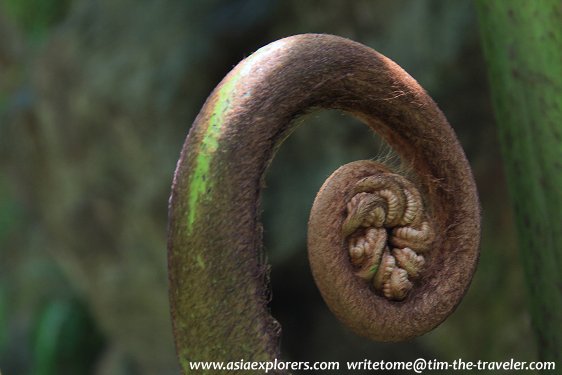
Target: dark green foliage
[66, 341]
[37, 16]
[3, 319]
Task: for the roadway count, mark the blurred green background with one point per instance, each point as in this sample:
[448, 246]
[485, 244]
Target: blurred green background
[96, 98]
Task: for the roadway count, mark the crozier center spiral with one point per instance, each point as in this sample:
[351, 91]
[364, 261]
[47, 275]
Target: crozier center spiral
[387, 232]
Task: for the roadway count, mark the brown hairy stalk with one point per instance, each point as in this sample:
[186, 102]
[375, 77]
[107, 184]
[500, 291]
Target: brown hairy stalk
[218, 281]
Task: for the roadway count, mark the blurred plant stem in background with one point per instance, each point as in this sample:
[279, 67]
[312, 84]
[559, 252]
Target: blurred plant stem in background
[523, 46]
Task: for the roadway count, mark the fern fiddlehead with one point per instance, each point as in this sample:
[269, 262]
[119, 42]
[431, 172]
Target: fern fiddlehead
[386, 230]
[392, 258]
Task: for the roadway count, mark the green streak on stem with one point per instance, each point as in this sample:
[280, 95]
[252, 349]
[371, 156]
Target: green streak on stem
[199, 182]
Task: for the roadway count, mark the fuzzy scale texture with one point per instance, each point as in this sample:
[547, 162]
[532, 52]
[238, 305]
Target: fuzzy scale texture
[218, 278]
